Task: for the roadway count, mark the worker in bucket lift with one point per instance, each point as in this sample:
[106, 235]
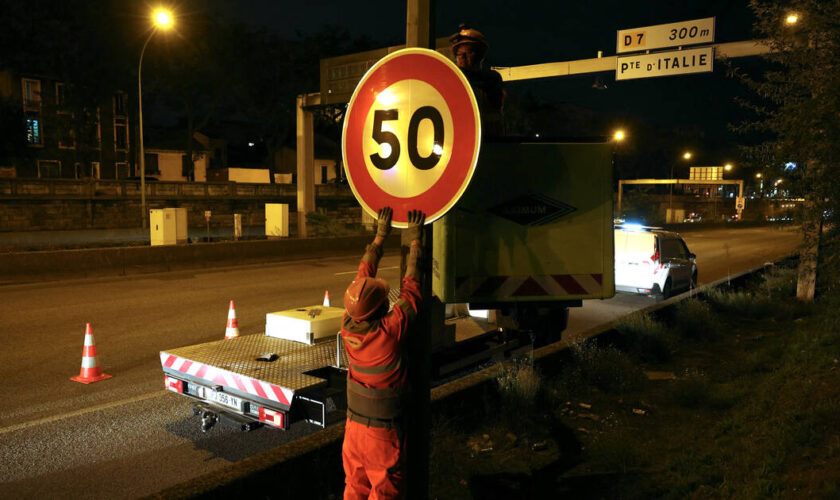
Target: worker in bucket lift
[374, 441]
[469, 47]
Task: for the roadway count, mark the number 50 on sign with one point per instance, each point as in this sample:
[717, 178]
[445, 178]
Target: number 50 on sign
[411, 135]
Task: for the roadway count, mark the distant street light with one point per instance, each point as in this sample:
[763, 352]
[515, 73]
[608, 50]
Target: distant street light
[791, 18]
[618, 136]
[758, 176]
[687, 155]
[162, 20]
[727, 167]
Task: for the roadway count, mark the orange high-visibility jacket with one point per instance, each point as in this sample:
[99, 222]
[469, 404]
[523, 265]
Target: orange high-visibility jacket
[377, 374]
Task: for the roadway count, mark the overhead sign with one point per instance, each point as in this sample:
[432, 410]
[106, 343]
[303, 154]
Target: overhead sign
[675, 62]
[705, 173]
[666, 35]
[411, 135]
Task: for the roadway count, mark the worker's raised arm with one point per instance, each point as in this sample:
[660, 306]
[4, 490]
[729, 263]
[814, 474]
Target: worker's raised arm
[373, 252]
[409, 300]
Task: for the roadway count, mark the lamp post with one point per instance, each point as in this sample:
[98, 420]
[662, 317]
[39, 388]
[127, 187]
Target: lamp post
[686, 156]
[163, 20]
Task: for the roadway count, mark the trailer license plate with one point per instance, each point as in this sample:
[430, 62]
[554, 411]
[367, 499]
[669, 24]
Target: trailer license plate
[223, 399]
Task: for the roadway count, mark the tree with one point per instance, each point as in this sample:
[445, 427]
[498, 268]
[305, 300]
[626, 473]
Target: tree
[797, 112]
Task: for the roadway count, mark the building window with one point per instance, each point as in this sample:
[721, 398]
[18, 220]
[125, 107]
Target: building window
[122, 170]
[323, 174]
[66, 138]
[151, 163]
[121, 133]
[49, 168]
[31, 93]
[119, 104]
[33, 131]
[65, 131]
[94, 169]
[60, 95]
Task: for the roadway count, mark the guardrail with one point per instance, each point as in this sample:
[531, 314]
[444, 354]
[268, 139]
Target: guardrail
[123, 189]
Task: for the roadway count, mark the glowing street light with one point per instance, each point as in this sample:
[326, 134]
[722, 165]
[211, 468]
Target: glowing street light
[687, 155]
[163, 20]
[618, 136]
[791, 18]
[758, 176]
[727, 167]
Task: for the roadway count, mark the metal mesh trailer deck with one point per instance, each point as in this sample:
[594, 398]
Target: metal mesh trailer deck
[257, 371]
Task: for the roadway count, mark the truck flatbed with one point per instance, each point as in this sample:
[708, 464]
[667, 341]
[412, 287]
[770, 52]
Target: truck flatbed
[233, 364]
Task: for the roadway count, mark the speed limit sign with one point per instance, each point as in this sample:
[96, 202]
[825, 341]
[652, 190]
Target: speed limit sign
[411, 135]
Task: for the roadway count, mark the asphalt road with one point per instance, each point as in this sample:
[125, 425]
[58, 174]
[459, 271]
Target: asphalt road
[126, 437]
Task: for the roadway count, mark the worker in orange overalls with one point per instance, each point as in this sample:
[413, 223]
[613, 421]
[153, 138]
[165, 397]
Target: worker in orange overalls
[374, 441]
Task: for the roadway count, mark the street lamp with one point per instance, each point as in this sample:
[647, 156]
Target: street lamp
[162, 20]
[618, 136]
[791, 18]
[727, 167]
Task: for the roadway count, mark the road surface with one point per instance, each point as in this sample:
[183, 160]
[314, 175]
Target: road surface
[126, 437]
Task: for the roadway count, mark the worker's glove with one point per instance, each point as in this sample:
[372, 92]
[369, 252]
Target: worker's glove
[383, 222]
[414, 231]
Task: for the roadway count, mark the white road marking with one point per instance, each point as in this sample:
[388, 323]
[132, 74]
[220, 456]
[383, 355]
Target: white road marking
[105, 406]
[381, 269]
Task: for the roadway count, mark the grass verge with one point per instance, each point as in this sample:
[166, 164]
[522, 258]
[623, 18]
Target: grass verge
[733, 396]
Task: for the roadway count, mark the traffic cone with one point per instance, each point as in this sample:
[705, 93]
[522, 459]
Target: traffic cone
[232, 330]
[327, 298]
[91, 371]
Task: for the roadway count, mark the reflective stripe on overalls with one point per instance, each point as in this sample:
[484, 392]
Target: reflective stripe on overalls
[372, 406]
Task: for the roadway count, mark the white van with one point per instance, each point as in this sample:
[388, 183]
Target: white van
[652, 261]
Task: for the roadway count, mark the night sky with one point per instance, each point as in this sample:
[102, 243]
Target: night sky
[537, 32]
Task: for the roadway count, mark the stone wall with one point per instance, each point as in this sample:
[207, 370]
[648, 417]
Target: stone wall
[54, 208]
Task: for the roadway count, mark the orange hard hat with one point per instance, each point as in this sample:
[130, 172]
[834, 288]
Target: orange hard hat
[468, 35]
[364, 297]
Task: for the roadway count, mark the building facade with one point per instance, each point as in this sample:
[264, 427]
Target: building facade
[63, 139]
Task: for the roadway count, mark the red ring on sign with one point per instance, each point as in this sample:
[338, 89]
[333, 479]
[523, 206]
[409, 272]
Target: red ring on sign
[454, 92]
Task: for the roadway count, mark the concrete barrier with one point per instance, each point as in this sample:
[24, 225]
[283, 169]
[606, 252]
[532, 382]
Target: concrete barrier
[28, 267]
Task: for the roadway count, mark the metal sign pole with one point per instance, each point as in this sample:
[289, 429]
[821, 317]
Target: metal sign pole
[420, 33]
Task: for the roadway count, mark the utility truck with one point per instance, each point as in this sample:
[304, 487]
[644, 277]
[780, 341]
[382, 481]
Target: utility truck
[530, 237]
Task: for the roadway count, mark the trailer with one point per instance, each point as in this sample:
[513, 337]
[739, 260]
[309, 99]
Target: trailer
[296, 370]
[530, 237]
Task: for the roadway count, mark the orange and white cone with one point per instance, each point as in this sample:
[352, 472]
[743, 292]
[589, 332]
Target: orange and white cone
[232, 330]
[327, 298]
[91, 371]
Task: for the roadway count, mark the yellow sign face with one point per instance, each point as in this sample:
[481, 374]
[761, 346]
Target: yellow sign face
[406, 98]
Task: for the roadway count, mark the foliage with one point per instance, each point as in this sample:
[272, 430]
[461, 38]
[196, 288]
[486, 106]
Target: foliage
[644, 338]
[798, 97]
[695, 320]
[605, 368]
[519, 385]
[796, 106]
